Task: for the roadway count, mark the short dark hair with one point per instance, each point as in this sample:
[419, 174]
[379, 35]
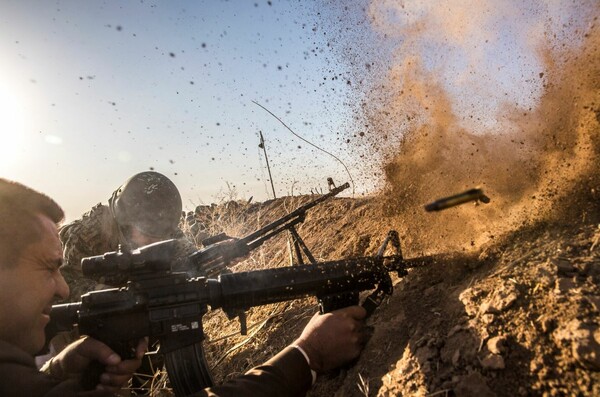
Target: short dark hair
[20, 226]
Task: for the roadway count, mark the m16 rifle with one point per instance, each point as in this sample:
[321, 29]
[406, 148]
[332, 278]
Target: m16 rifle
[168, 306]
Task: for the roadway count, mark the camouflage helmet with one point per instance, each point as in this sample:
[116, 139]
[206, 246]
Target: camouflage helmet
[148, 201]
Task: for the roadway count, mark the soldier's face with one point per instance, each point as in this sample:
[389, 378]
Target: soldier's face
[138, 239]
[28, 289]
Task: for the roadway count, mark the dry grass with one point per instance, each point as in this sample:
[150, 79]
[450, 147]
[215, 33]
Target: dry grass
[363, 385]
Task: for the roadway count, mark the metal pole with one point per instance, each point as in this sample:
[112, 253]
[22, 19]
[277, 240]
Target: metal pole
[262, 145]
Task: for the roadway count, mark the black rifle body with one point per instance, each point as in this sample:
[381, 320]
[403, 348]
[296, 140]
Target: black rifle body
[168, 306]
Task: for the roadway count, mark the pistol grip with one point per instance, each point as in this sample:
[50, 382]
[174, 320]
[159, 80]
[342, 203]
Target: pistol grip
[329, 303]
[91, 376]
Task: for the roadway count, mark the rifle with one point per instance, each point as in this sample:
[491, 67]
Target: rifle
[216, 257]
[168, 306]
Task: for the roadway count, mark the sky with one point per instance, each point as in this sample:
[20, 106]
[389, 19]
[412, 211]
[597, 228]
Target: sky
[94, 92]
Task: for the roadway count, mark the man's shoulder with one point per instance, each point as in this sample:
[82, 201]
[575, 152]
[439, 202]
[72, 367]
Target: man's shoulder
[20, 376]
[10, 353]
[98, 213]
[97, 221]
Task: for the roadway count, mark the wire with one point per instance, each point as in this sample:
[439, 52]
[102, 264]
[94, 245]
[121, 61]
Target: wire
[310, 143]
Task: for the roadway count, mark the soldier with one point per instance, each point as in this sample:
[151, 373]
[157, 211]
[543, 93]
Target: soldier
[30, 281]
[147, 208]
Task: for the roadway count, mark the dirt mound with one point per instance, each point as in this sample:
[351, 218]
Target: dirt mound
[517, 317]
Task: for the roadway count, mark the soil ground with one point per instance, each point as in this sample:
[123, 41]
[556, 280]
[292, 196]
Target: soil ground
[518, 316]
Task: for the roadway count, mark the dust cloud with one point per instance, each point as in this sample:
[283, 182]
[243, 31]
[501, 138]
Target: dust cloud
[502, 96]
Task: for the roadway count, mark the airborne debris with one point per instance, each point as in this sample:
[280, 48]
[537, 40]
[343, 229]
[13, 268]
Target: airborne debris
[457, 199]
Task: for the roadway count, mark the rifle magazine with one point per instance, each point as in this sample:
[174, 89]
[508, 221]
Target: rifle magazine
[188, 370]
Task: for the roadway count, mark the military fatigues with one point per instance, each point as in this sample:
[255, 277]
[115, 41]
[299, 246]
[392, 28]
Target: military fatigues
[95, 234]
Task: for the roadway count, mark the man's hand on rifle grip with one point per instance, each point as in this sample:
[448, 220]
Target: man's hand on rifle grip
[77, 357]
[333, 339]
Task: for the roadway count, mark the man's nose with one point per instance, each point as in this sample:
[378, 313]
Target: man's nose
[62, 288]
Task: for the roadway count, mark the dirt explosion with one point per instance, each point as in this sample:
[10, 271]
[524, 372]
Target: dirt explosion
[440, 127]
[513, 307]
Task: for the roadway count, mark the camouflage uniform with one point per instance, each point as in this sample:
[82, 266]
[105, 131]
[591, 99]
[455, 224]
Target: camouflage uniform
[95, 234]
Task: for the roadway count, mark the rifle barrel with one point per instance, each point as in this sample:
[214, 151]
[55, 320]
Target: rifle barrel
[299, 213]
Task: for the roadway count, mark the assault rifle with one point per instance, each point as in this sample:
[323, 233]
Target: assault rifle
[168, 306]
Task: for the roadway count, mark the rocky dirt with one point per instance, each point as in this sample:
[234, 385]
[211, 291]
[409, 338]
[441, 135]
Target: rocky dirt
[516, 317]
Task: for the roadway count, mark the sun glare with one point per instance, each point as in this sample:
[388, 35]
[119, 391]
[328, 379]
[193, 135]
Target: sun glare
[12, 128]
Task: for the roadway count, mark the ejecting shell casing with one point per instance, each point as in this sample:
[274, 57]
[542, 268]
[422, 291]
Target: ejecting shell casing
[457, 199]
